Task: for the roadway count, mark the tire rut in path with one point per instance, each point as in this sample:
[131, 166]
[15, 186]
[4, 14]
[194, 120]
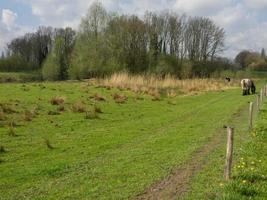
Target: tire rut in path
[177, 183]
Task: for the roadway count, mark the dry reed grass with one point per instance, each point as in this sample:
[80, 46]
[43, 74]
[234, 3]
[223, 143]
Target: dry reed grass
[151, 84]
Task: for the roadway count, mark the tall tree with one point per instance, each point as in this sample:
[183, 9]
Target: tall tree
[263, 54]
[58, 63]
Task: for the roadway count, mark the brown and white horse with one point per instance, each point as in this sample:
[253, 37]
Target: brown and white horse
[247, 85]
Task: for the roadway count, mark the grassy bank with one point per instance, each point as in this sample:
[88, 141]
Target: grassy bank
[7, 77]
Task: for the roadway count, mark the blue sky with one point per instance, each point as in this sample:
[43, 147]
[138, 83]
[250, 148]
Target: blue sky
[23, 10]
[245, 21]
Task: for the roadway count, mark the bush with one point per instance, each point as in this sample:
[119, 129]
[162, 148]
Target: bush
[167, 65]
[15, 64]
[186, 70]
[50, 70]
[87, 62]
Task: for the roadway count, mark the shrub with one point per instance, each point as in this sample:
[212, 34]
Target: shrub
[186, 70]
[167, 65]
[50, 71]
[15, 63]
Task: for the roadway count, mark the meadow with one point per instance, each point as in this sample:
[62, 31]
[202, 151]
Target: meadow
[95, 140]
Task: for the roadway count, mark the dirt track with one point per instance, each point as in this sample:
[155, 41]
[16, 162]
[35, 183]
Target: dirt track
[177, 183]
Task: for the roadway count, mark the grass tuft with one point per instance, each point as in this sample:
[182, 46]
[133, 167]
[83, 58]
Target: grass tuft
[92, 114]
[2, 149]
[8, 109]
[2, 115]
[155, 94]
[61, 108]
[97, 109]
[98, 97]
[119, 98]
[11, 130]
[28, 115]
[53, 113]
[79, 107]
[57, 100]
[48, 143]
[171, 94]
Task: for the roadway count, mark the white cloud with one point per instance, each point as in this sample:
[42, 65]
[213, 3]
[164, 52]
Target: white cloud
[8, 17]
[243, 29]
[9, 29]
[200, 7]
[69, 12]
[256, 4]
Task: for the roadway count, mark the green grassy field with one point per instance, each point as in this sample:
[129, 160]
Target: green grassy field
[53, 154]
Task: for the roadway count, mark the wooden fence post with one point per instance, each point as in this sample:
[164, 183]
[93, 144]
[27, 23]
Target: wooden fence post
[250, 114]
[229, 153]
[258, 103]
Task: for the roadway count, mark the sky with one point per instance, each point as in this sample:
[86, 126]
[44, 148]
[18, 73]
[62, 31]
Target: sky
[244, 21]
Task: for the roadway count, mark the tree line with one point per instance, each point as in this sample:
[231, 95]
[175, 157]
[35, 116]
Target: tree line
[162, 43]
[252, 60]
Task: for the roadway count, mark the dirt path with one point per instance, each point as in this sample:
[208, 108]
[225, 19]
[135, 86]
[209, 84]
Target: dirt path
[177, 183]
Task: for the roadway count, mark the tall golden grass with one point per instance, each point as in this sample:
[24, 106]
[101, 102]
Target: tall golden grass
[152, 84]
